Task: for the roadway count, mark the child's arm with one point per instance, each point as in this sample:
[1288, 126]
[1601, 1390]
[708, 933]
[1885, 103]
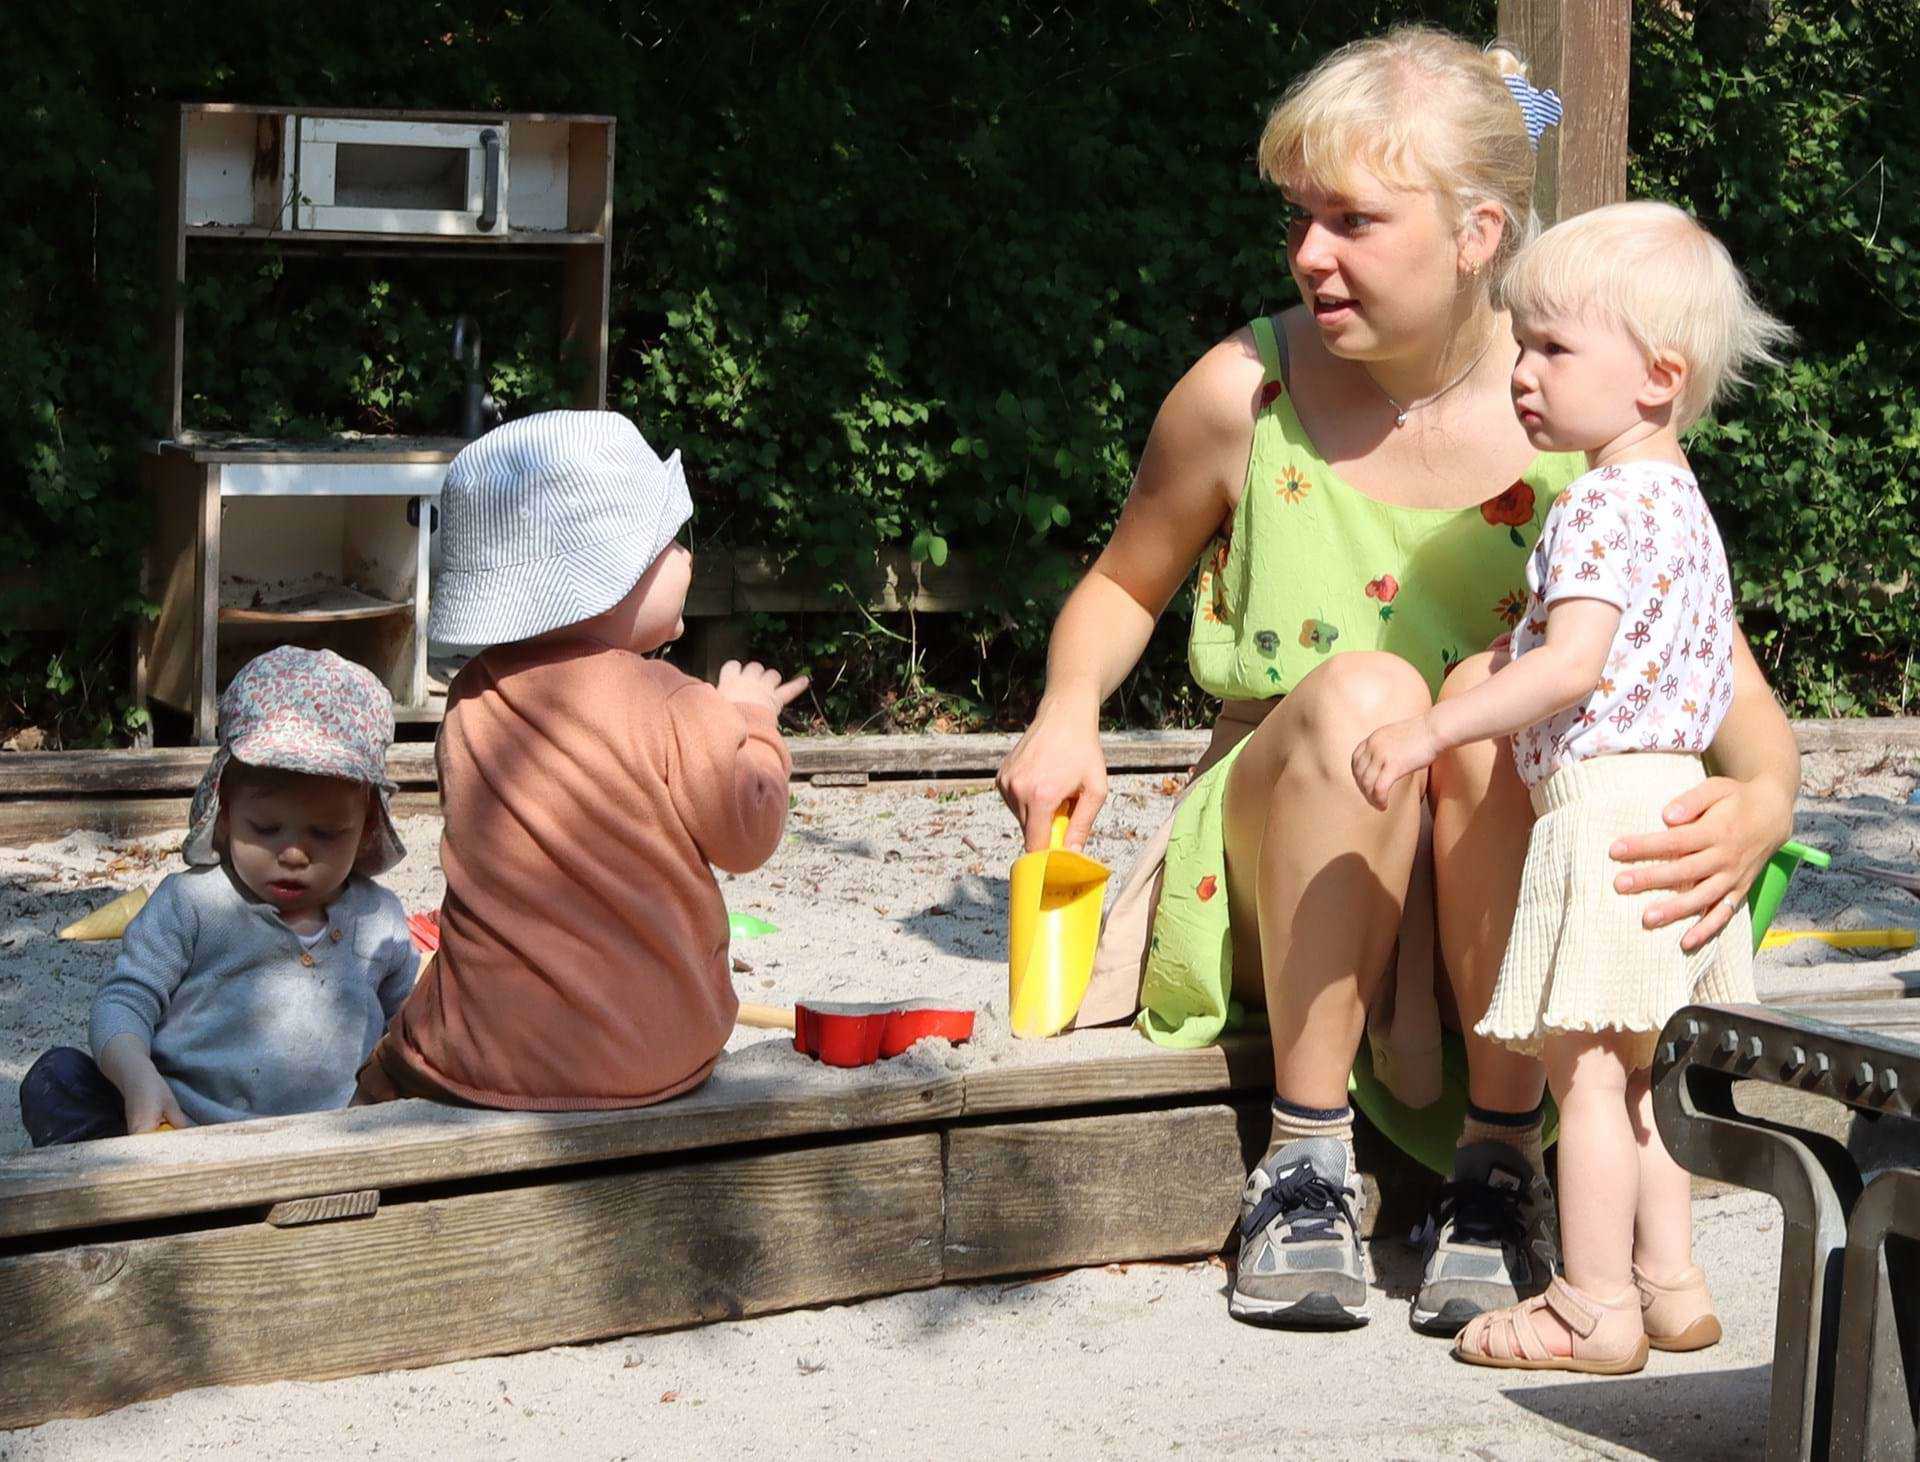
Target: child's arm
[397, 965]
[1560, 673]
[144, 1092]
[154, 955]
[731, 790]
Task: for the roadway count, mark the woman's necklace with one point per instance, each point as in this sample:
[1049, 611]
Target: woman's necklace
[1400, 413]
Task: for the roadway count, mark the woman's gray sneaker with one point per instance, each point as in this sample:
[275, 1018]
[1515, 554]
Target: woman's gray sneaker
[1493, 1239]
[1300, 1263]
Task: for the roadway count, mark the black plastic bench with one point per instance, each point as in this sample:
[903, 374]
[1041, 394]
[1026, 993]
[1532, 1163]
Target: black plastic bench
[1844, 1374]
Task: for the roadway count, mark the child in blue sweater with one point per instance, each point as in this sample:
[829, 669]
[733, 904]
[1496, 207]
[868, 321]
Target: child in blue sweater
[256, 982]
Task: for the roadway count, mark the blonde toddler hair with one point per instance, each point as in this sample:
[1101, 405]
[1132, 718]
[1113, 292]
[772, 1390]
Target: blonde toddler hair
[1419, 108]
[1653, 271]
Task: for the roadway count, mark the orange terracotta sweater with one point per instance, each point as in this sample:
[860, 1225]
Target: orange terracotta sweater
[583, 940]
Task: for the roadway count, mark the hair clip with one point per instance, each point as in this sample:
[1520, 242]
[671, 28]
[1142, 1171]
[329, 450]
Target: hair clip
[1539, 109]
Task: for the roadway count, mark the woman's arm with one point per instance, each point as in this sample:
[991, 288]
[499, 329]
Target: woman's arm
[1195, 458]
[1719, 835]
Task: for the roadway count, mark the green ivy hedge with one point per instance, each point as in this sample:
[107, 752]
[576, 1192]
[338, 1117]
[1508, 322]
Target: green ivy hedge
[911, 275]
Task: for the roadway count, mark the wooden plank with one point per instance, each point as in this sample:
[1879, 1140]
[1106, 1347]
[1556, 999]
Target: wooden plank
[392, 114]
[1240, 1062]
[259, 1163]
[274, 1160]
[588, 270]
[99, 774]
[173, 491]
[1889, 735]
[46, 819]
[1091, 1190]
[159, 769]
[231, 448]
[1578, 48]
[203, 702]
[445, 1278]
[1779, 984]
[936, 755]
[1897, 1018]
[410, 763]
[170, 194]
[334, 1206]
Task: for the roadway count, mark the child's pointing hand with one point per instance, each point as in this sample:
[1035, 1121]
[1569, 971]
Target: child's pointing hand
[754, 684]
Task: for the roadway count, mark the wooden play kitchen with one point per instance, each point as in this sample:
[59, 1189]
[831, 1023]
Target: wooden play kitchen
[258, 542]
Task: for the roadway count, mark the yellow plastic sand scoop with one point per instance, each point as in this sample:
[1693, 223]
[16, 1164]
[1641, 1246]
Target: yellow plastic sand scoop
[1053, 924]
[109, 921]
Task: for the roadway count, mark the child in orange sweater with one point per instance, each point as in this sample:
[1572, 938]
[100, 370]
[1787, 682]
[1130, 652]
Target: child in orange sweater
[586, 790]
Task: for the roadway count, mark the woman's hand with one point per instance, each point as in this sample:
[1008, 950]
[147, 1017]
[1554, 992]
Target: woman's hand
[1718, 837]
[1058, 760]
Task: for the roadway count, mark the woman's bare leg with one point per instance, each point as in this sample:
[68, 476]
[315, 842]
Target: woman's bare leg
[1501, 1206]
[1321, 872]
[1481, 821]
[1315, 880]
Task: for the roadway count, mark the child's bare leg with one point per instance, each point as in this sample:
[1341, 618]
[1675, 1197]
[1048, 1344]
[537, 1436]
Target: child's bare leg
[1599, 1171]
[1663, 1216]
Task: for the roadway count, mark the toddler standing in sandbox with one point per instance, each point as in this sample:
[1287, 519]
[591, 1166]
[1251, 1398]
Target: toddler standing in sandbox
[255, 983]
[1631, 320]
[586, 789]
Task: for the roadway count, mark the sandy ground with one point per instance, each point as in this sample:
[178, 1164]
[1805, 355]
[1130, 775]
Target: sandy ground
[885, 892]
[900, 890]
[1129, 1361]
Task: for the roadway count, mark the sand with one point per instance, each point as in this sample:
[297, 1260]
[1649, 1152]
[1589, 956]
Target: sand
[896, 890]
[884, 892]
[1128, 1361]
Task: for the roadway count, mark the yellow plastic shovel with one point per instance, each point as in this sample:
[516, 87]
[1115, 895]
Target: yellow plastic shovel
[1053, 924]
[109, 921]
[1843, 938]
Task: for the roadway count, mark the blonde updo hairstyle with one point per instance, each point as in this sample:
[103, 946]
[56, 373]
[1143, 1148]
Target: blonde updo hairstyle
[1419, 108]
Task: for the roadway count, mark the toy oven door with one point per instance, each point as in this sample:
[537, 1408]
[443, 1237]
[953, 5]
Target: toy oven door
[401, 177]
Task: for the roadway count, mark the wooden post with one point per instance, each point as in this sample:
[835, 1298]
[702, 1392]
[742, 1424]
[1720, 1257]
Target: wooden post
[170, 190]
[1578, 48]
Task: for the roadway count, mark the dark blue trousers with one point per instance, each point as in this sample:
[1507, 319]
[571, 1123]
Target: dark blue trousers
[65, 1098]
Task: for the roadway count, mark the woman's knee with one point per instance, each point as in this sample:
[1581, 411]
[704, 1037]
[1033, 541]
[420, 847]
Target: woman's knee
[1473, 671]
[1349, 698]
[1465, 773]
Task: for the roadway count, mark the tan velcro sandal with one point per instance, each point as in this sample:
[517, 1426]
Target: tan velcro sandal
[1677, 1313]
[1607, 1336]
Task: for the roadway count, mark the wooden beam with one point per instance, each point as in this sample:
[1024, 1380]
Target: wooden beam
[442, 1278]
[1578, 48]
[243, 1165]
[170, 194]
[1242, 1061]
[1899, 1018]
[279, 1159]
[177, 769]
[47, 819]
[1091, 1190]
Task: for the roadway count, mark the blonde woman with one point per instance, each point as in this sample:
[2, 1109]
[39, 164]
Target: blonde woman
[1360, 498]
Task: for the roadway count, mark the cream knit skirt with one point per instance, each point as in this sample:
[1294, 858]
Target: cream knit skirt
[1578, 958]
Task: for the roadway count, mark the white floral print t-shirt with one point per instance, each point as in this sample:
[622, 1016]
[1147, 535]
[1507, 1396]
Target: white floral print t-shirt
[1638, 536]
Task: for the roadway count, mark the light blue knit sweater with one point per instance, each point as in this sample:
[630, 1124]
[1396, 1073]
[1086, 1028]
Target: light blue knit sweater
[242, 1020]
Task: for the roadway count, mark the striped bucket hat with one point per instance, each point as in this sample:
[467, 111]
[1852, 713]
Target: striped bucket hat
[548, 521]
